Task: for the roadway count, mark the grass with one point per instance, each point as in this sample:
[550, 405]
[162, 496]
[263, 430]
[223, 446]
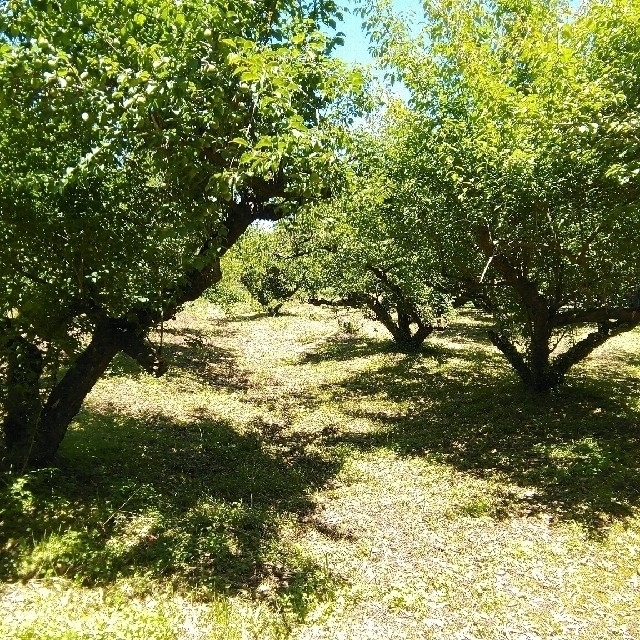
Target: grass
[288, 479]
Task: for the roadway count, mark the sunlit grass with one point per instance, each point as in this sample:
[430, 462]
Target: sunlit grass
[290, 479]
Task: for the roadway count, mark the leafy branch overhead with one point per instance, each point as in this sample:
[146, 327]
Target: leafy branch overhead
[138, 141]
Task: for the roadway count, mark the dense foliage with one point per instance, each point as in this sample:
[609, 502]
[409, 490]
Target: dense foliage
[262, 268]
[523, 146]
[137, 143]
[361, 247]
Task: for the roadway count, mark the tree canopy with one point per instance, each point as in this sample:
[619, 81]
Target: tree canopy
[523, 146]
[138, 141]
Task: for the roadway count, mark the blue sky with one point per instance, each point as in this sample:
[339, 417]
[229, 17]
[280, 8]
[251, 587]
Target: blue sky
[356, 43]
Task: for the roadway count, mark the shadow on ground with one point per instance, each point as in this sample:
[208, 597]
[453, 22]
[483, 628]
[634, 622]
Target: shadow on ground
[250, 317]
[203, 505]
[197, 504]
[469, 331]
[341, 349]
[193, 352]
[574, 454]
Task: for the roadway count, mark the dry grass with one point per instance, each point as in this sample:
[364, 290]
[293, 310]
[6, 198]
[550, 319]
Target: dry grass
[289, 480]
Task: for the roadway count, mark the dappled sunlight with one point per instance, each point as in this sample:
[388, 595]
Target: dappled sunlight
[197, 505]
[426, 551]
[288, 476]
[580, 452]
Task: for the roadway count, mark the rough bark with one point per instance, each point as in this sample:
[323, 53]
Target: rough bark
[542, 375]
[531, 298]
[408, 314]
[536, 370]
[513, 356]
[67, 396]
[581, 349]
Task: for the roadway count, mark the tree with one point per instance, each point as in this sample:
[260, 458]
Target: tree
[269, 271]
[138, 141]
[524, 138]
[361, 247]
[263, 267]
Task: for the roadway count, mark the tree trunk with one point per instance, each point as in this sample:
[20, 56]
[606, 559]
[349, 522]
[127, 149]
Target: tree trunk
[535, 371]
[66, 398]
[542, 376]
[407, 313]
[513, 356]
[33, 431]
[581, 349]
[407, 341]
[23, 405]
[538, 371]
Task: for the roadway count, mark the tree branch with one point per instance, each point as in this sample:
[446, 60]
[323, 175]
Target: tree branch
[144, 354]
[584, 347]
[514, 357]
[628, 316]
[522, 285]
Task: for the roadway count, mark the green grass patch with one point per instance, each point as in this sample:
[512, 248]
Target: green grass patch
[288, 479]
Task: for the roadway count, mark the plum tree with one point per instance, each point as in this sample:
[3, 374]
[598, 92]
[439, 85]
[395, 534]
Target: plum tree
[138, 141]
[522, 144]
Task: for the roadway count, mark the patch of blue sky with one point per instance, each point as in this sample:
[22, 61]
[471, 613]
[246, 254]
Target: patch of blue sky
[356, 42]
[357, 46]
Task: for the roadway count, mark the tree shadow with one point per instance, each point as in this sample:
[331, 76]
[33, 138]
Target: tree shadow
[471, 324]
[343, 348]
[469, 331]
[194, 352]
[196, 504]
[625, 358]
[573, 455]
[258, 315]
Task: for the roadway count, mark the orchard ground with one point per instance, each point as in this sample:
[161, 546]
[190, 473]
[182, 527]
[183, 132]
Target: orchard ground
[294, 477]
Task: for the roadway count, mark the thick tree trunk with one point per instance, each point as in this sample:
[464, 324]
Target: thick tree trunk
[407, 312]
[33, 431]
[581, 349]
[66, 398]
[407, 340]
[539, 372]
[513, 356]
[536, 370]
[22, 404]
[542, 376]
[410, 341]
